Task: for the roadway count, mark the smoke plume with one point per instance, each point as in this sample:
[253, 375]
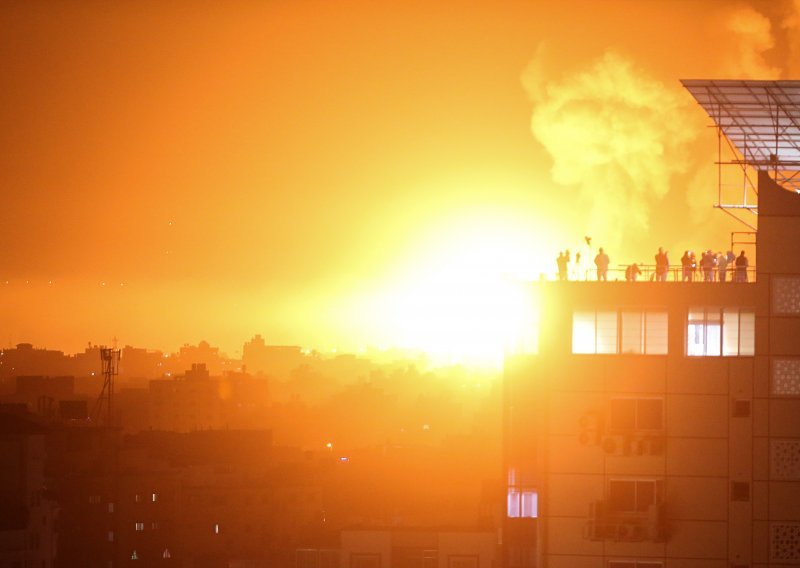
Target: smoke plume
[752, 33]
[616, 136]
[791, 27]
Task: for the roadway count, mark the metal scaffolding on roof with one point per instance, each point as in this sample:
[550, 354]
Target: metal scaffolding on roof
[760, 124]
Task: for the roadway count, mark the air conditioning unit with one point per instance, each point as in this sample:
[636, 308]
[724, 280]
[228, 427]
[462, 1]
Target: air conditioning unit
[600, 530]
[631, 531]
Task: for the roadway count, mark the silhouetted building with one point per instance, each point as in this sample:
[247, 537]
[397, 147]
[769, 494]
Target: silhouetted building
[198, 401]
[27, 510]
[272, 360]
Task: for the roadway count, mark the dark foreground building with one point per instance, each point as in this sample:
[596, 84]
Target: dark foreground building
[659, 424]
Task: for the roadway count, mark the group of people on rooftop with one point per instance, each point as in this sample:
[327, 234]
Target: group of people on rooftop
[714, 267]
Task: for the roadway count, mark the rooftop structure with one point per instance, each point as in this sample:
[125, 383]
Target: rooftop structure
[760, 121]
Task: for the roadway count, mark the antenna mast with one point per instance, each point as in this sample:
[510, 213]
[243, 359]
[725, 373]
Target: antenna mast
[109, 358]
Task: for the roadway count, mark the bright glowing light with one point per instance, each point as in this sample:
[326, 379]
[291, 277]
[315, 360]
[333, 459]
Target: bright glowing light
[467, 297]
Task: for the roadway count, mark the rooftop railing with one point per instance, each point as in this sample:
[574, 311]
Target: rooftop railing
[674, 274]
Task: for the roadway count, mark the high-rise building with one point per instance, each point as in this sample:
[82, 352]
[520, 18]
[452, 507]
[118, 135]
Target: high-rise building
[658, 425]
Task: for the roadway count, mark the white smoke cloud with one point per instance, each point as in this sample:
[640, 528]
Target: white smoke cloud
[791, 27]
[616, 136]
[753, 37]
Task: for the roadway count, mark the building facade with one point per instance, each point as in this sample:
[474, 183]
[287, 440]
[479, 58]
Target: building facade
[659, 424]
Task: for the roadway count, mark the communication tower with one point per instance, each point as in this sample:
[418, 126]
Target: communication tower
[103, 413]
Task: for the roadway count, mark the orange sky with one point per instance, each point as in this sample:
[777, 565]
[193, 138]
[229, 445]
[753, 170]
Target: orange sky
[190, 170]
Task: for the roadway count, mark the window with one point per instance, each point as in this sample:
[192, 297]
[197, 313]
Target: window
[631, 414]
[720, 331]
[741, 408]
[634, 495]
[627, 331]
[635, 564]
[365, 560]
[307, 558]
[110, 536]
[522, 500]
[329, 558]
[740, 491]
[154, 497]
[594, 332]
[94, 499]
[462, 561]
[644, 332]
[414, 557]
[139, 527]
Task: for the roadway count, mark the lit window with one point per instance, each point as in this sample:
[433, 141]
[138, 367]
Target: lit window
[522, 501]
[720, 331]
[134, 556]
[216, 528]
[154, 497]
[626, 331]
[636, 414]
[633, 495]
[166, 554]
[139, 527]
[594, 332]
[644, 332]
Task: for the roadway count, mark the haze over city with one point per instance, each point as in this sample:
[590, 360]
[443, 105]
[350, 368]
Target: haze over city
[348, 174]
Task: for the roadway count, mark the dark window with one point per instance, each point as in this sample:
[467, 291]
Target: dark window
[633, 495]
[740, 491]
[741, 408]
[629, 414]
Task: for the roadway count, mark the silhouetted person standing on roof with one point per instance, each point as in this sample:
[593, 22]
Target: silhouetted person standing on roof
[686, 264]
[601, 262]
[561, 261]
[662, 265]
[708, 261]
[722, 267]
[741, 267]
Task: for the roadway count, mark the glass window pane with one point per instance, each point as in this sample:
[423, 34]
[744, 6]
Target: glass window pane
[747, 333]
[513, 503]
[583, 334]
[650, 414]
[530, 504]
[623, 414]
[645, 495]
[622, 495]
[730, 332]
[632, 336]
[696, 339]
[656, 333]
[606, 332]
[697, 314]
[713, 338]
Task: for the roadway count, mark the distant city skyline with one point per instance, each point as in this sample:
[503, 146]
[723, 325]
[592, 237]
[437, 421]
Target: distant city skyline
[343, 174]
